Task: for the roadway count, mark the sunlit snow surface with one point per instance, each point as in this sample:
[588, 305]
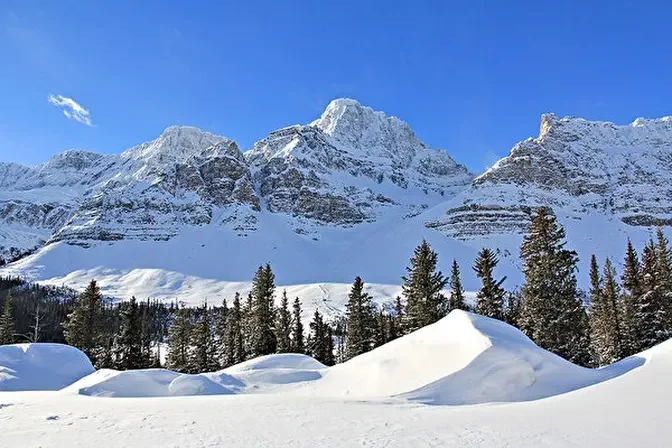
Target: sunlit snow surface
[416, 391]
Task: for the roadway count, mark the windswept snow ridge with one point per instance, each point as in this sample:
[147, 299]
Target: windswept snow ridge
[41, 366]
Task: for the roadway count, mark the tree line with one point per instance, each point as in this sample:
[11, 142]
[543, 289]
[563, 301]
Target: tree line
[615, 320]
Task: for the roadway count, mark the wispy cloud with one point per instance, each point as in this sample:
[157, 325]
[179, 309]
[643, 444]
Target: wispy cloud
[71, 109]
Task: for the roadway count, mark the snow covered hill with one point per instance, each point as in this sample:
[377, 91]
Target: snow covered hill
[191, 216]
[291, 400]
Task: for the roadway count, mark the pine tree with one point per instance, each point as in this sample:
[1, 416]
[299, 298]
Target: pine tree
[553, 315]
[179, 341]
[263, 290]
[203, 354]
[7, 323]
[317, 346]
[329, 359]
[298, 345]
[85, 324]
[130, 343]
[513, 309]
[361, 321]
[423, 286]
[321, 340]
[221, 326]
[247, 325]
[490, 297]
[630, 303]
[382, 331]
[456, 301]
[283, 326]
[605, 328]
[664, 273]
[235, 346]
[650, 311]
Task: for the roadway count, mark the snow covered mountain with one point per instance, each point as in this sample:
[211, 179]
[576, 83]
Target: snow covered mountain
[191, 215]
[578, 168]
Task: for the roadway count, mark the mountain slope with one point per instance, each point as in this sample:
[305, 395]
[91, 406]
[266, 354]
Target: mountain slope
[351, 193]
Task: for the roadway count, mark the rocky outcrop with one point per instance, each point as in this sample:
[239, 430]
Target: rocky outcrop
[575, 166]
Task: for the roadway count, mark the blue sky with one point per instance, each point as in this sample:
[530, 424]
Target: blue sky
[471, 77]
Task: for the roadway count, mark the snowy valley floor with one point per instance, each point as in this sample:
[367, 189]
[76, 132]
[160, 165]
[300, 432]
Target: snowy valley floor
[375, 400]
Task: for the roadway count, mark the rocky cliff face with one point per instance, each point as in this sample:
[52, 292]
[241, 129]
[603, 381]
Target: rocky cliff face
[577, 167]
[352, 165]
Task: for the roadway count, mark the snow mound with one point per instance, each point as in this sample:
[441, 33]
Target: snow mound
[41, 366]
[185, 385]
[463, 359]
[282, 361]
[256, 375]
[130, 383]
[272, 370]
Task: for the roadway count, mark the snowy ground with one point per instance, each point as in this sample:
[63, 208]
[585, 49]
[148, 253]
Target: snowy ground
[376, 400]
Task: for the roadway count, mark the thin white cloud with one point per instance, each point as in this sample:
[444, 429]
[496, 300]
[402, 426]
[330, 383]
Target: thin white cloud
[71, 109]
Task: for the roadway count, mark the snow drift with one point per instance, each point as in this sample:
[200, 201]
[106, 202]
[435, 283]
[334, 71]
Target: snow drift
[462, 359]
[259, 374]
[41, 366]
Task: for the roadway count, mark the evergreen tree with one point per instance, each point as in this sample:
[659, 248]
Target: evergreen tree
[7, 323]
[425, 303]
[84, 327]
[457, 301]
[650, 310]
[553, 316]
[361, 321]
[263, 290]
[321, 341]
[235, 346]
[179, 341]
[298, 345]
[490, 297]
[221, 325]
[631, 327]
[605, 329]
[513, 309]
[664, 274]
[382, 331]
[247, 325]
[203, 354]
[329, 359]
[283, 326]
[130, 337]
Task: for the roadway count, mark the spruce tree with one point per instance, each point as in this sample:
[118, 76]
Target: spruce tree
[247, 325]
[203, 354]
[263, 307]
[283, 326]
[130, 343]
[553, 315]
[329, 359]
[513, 309]
[651, 315]
[456, 301]
[317, 339]
[179, 341]
[664, 273]
[490, 297]
[84, 326]
[298, 345]
[422, 287]
[631, 329]
[221, 321]
[235, 345]
[7, 323]
[361, 322]
[605, 334]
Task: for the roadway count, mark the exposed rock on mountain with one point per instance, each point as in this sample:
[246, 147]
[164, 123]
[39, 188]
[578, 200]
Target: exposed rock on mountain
[577, 167]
